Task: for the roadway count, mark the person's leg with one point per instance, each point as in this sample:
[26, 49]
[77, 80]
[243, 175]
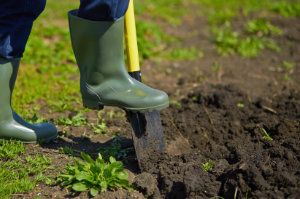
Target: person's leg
[16, 18]
[102, 10]
[97, 40]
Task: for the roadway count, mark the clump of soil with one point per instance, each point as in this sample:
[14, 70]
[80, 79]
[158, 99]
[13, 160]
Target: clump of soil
[223, 125]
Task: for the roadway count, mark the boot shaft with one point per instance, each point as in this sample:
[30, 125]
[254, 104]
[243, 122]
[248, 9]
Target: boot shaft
[98, 47]
[8, 75]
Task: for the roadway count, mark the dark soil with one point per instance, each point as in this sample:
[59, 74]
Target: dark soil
[216, 129]
[220, 119]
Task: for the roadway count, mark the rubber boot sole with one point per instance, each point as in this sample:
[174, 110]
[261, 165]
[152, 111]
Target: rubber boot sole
[94, 105]
[31, 142]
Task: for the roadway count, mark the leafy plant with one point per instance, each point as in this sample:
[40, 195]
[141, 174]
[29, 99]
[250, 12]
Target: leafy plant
[261, 26]
[208, 166]
[251, 46]
[226, 40]
[99, 127]
[77, 120]
[94, 175]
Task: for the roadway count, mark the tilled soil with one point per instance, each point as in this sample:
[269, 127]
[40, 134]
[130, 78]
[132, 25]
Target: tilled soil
[220, 123]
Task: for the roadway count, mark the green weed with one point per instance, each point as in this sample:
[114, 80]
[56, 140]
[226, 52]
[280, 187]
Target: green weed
[251, 46]
[226, 40]
[240, 105]
[288, 65]
[77, 120]
[35, 119]
[94, 175]
[168, 71]
[221, 13]
[266, 135]
[178, 104]
[115, 150]
[216, 67]
[262, 26]
[288, 68]
[286, 8]
[182, 53]
[67, 150]
[118, 114]
[208, 166]
[99, 127]
[287, 77]
[111, 114]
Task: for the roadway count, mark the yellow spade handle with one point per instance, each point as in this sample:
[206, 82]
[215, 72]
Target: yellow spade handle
[130, 38]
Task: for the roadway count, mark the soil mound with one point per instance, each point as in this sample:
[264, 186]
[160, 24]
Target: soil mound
[251, 144]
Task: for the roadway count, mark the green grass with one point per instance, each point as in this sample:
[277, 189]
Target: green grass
[20, 173]
[168, 10]
[219, 12]
[181, 53]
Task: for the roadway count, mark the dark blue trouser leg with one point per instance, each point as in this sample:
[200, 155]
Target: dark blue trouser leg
[17, 16]
[102, 10]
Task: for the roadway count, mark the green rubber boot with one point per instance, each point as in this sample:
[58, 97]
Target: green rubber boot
[12, 126]
[104, 81]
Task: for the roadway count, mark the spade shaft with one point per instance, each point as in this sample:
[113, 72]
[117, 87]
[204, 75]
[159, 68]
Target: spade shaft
[147, 131]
